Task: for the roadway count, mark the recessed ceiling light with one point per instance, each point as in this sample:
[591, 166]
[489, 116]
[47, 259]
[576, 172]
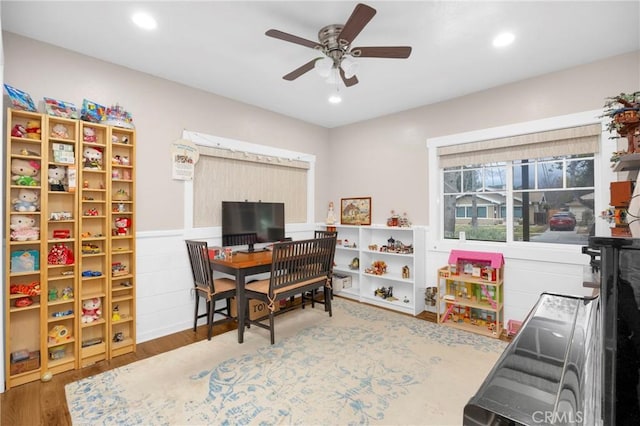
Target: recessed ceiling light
[144, 20]
[335, 98]
[503, 39]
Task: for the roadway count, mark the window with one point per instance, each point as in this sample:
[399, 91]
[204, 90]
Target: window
[477, 194]
[536, 187]
[230, 170]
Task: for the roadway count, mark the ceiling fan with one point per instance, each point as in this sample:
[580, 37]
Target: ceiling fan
[334, 41]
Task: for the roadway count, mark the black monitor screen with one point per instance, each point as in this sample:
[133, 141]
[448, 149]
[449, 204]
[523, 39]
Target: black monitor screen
[247, 223]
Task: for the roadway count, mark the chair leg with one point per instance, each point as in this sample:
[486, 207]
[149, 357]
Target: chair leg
[228, 299]
[271, 328]
[210, 313]
[327, 301]
[195, 317]
[246, 313]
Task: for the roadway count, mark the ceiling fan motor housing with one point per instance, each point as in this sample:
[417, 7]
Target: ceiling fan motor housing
[333, 47]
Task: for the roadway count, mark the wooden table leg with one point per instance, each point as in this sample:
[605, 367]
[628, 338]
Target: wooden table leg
[240, 301]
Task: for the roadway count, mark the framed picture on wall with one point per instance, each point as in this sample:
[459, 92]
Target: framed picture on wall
[355, 211]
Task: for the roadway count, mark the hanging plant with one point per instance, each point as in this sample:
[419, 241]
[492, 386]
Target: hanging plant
[623, 112]
[623, 109]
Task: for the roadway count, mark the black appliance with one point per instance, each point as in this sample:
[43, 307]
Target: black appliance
[249, 223]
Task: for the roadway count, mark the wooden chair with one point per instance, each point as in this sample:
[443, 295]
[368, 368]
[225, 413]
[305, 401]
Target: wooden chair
[314, 294]
[296, 267]
[207, 288]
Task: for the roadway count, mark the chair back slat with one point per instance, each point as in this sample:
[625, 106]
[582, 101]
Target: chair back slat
[321, 234]
[200, 266]
[298, 261]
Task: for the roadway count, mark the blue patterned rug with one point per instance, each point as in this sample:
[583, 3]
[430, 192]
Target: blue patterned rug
[362, 366]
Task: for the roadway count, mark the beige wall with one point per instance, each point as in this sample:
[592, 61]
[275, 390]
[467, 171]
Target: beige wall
[384, 158]
[161, 111]
[391, 151]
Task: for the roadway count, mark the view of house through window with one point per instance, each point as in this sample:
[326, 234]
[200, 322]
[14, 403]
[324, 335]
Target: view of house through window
[547, 200]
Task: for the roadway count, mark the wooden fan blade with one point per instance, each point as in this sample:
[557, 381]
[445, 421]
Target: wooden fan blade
[293, 39]
[348, 81]
[360, 17]
[301, 70]
[399, 52]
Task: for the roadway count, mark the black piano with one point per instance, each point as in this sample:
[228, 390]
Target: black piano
[575, 360]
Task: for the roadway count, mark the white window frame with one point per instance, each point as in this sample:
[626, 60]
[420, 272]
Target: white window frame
[603, 175]
[250, 148]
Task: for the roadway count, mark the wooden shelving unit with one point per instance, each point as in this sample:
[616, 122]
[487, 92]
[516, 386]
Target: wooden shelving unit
[74, 250]
[95, 233]
[25, 284]
[122, 285]
[471, 294]
[60, 209]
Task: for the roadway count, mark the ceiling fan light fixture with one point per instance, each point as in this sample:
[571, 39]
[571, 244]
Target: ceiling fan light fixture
[334, 77]
[349, 66]
[323, 67]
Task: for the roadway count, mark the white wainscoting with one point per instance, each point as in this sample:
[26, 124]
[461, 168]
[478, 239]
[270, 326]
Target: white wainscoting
[165, 300]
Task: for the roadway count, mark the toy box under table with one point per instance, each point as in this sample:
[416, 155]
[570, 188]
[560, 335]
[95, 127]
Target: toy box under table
[257, 309]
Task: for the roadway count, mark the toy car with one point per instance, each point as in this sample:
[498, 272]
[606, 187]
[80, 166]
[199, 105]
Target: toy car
[88, 248]
[61, 233]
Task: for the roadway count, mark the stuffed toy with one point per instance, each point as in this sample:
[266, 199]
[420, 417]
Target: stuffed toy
[25, 172]
[23, 228]
[89, 134]
[91, 310]
[92, 158]
[58, 334]
[33, 129]
[122, 225]
[60, 254]
[67, 293]
[31, 289]
[60, 131]
[27, 201]
[18, 131]
[56, 176]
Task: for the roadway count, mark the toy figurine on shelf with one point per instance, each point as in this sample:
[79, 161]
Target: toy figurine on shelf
[331, 217]
[53, 294]
[115, 315]
[385, 293]
[393, 219]
[378, 267]
[404, 222]
[405, 272]
[56, 176]
[122, 225]
[355, 263]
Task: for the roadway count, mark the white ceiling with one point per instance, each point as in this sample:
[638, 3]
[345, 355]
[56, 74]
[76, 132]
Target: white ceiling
[220, 46]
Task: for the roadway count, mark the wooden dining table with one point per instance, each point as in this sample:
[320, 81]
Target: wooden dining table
[240, 266]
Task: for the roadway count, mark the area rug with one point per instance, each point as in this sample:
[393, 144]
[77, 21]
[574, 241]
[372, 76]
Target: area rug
[364, 365]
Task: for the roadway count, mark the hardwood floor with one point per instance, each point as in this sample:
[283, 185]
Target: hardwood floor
[38, 403]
